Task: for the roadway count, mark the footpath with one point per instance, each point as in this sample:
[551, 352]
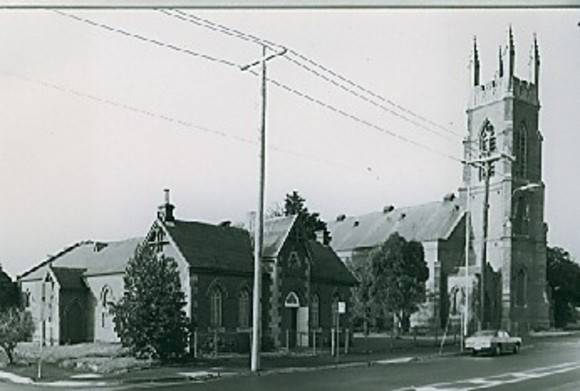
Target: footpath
[213, 368]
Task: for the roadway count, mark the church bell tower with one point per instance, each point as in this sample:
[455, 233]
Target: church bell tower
[502, 119]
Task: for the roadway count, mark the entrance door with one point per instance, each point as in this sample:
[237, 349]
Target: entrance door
[302, 326]
[293, 327]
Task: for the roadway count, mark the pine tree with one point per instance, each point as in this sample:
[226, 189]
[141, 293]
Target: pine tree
[149, 318]
[294, 204]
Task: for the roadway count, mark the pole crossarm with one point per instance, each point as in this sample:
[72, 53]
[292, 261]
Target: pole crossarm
[488, 159]
[263, 59]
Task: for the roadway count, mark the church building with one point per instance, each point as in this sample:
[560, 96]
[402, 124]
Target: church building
[69, 295]
[502, 128]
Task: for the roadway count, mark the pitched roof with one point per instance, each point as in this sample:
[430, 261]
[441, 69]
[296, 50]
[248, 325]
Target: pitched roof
[326, 265]
[276, 230]
[69, 278]
[425, 222]
[94, 257]
[213, 246]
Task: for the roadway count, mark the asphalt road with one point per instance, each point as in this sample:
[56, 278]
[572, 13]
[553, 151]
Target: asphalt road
[551, 364]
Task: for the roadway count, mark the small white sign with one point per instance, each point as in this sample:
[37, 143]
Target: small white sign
[341, 307]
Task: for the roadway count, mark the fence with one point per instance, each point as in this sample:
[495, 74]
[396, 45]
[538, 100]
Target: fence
[214, 342]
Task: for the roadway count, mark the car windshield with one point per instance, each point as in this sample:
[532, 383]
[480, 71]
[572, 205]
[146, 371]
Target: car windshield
[485, 333]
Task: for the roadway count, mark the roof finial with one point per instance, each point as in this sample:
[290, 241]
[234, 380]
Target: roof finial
[475, 62]
[500, 58]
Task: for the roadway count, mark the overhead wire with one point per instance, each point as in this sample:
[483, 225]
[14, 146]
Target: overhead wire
[183, 123]
[184, 16]
[270, 80]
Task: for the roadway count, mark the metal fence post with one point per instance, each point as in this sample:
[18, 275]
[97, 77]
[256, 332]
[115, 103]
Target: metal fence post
[332, 342]
[314, 342]
[287, 339]
[195, 343]
[215, 342]
[346, 341]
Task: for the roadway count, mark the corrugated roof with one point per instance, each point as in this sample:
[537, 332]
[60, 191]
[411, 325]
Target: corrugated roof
[326, 265]
[69, 278]
[425, 222]
[96, 258]
[213, 246]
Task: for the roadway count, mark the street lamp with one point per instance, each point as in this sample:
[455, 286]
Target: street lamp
[528, 187]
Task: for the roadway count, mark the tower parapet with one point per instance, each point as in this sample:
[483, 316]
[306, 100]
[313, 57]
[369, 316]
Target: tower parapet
[501, 88]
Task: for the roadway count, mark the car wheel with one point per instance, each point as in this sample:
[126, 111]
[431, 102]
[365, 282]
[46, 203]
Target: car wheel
[473, 352]
[516, 348]
[497, 350]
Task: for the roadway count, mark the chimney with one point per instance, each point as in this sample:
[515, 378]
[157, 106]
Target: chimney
[388, 208]
[165, 211]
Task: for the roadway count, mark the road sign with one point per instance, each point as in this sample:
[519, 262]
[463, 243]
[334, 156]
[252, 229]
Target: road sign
[341, 307]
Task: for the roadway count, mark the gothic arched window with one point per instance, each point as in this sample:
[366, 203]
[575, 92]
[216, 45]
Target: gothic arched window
[521, 288]
[244, 308]
[521, 150]
[215, 307]
[487, 145]
[315, 312]
[106, 300]
[335, 300]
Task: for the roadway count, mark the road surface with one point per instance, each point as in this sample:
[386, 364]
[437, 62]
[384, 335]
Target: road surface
[551, 364]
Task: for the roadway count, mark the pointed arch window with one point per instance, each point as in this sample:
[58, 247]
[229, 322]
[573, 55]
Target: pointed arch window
[244, 308]
[315, 312]
[487, 145]
[215, 307]
[521, 288]
[106, 300]
[521, 150]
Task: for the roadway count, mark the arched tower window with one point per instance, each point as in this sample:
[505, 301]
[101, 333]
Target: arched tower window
[315, 311]
[487, 145]
[244, 308]
[521, 288]
[521, 150]
[215, 307]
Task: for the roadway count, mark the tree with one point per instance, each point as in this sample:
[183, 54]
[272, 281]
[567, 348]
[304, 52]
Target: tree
[16, 325]
[149, 318]
[9, 295]
[363, 306]
[294, 204]
[399, 272]
[563, 275]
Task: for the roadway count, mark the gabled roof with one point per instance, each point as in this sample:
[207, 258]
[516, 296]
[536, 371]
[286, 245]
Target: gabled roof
[213, 246]
[276, 231]
[94, 257]
[327, 266]
[69, 278]
[427, 222]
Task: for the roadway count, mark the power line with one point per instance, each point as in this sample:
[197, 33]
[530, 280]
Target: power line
[183, 123]
[146, 39]
[270, 80]
[356, 118]
[249, 37]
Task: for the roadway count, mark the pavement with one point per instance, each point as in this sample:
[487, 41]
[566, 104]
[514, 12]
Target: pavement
[233, 371]
[234, 365]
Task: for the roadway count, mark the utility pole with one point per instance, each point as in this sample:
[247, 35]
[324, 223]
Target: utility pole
[259, 230]
[486, 164]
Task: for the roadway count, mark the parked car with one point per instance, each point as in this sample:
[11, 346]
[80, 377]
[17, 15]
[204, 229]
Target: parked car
[494, 342]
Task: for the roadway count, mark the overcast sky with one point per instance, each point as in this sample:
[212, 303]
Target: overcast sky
[75, 168]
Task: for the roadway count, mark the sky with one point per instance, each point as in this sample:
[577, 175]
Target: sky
[95, 123]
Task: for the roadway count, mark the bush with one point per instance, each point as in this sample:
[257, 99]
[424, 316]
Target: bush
[16, 325]
[149, 318]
